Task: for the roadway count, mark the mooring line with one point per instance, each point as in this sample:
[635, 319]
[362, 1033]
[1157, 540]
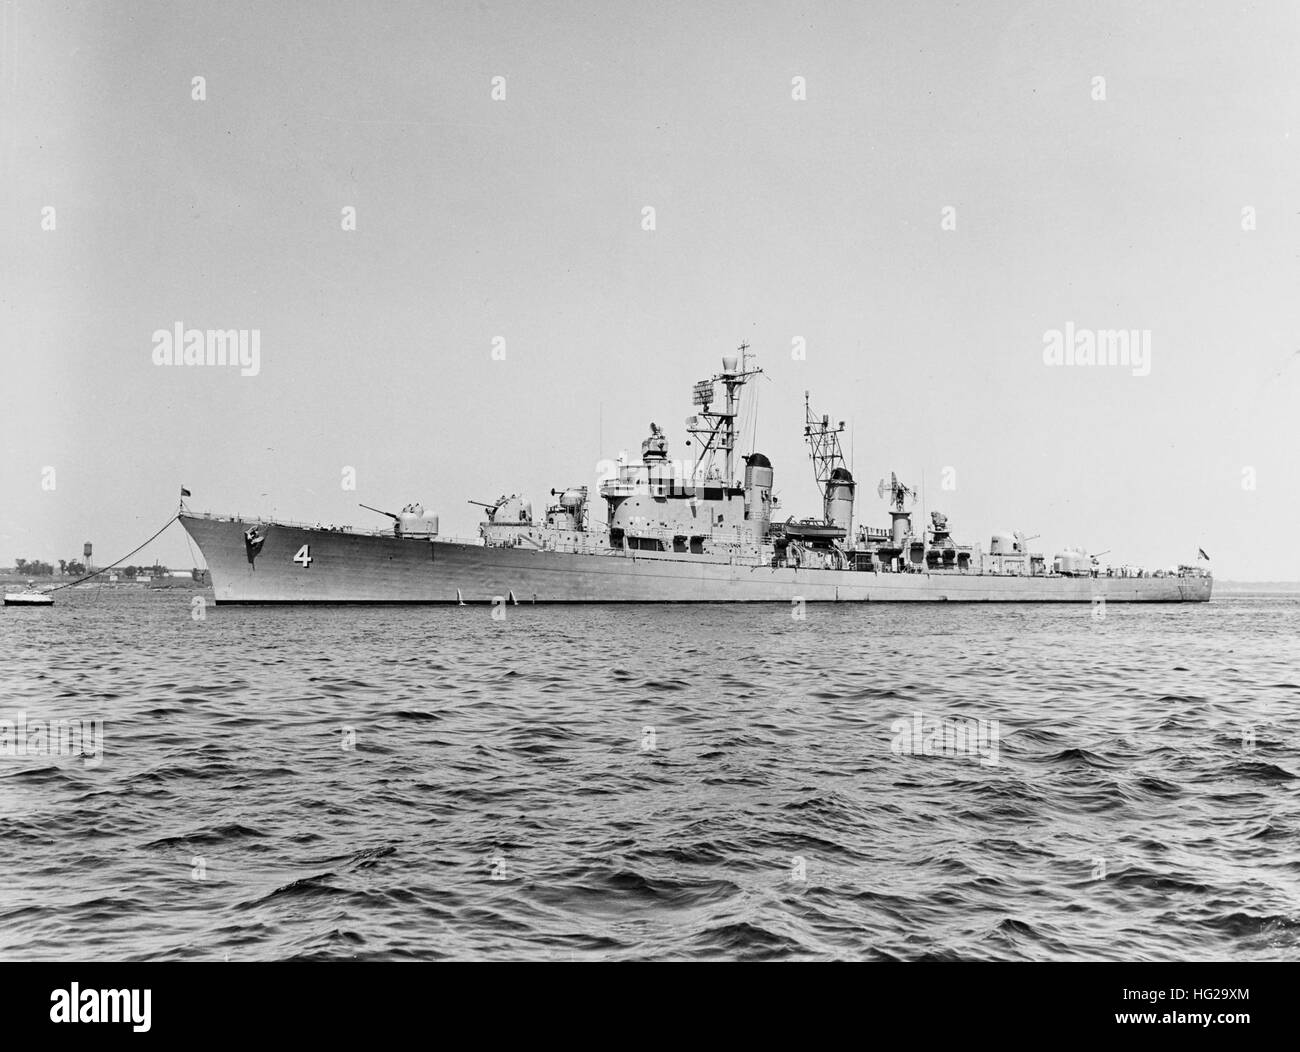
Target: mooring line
[111, 565]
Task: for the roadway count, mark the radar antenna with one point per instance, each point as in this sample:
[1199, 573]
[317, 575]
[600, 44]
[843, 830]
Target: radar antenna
[898, 492]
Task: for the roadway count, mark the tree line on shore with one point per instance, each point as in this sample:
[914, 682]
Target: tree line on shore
[75, 568]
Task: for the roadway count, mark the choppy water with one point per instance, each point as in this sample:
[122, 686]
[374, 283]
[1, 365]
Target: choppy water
[652, 782]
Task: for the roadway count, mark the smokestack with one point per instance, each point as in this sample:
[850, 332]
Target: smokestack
[758, 493]
[837, 506]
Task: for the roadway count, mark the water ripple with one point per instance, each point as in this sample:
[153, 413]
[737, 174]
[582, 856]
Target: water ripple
[906, 783]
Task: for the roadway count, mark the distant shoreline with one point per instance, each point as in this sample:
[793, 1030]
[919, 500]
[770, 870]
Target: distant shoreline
[8, 578]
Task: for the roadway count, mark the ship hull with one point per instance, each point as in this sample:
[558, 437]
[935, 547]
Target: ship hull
[344, 567]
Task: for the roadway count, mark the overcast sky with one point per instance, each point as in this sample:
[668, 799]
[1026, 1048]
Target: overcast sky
[776, 219]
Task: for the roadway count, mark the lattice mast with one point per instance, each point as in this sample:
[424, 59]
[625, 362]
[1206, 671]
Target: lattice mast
[716, 429]
[823, 444]
[833, 479]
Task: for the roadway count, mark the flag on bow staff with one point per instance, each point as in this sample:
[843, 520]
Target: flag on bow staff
[1200, 554]
[184, 492]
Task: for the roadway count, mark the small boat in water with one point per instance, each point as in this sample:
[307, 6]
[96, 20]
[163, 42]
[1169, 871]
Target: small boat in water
[29, 597]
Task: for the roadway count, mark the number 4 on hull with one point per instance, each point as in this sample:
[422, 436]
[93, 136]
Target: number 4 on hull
[304, 556]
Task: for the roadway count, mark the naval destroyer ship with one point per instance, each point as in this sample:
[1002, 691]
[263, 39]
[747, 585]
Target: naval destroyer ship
[672, 531]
